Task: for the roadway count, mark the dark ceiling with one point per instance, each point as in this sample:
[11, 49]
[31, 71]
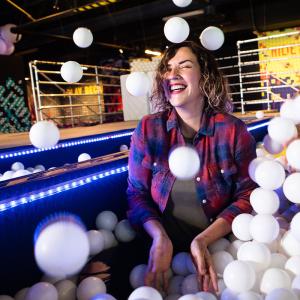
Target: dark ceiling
[133, 24]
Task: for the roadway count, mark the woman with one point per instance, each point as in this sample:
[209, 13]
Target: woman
[188, 215]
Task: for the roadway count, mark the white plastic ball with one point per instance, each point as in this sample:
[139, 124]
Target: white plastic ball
[206, 296]
[253, 165]
[259, 114]
[270, 228]
[241, 227]
[239, 276]
[176, 30]
[256, 253]
[190, 284]
[61, 248]
[83, 157]
[175, 283]
[293, 265]
[123, 147]
[292, 154]
[20, 295]
[124, 232]
[137, 276]
[234, 247]
[289, 245]
[71, 71]
[96, 241]
[220, 260]
[44, 134]
[250, 295]
[179, 264]
[109, 239]
[145, 292]
[66, 289]
[17, 166]
[212, 38]
[295, 225]
[40, 167]
[103, 296]
[189, 297]
[272, 146]
[264, 201]
[20, 173]
[281, 294]
[190, 264]
[7, 175]
[269, 175]
[106, 220]
[7, 35]
[291, 187]
[290, 109]
[274, 278]
[42, 291]
[89, 287]
[278, 260]
[282, 130]
[184, 162]
[219, 245]
[82, 37]
[228, 294]
[182, 3]
[138, 84]
[296, 283]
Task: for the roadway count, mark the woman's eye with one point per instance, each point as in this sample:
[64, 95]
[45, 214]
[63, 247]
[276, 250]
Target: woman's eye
[185, 67]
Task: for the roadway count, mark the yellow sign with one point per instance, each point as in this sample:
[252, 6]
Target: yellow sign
[86, 89]
[280, 63]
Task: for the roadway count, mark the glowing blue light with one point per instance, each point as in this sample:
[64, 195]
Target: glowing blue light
[250, 128]
[66, 144]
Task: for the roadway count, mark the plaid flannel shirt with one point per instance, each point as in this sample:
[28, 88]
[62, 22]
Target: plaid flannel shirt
[223, 185]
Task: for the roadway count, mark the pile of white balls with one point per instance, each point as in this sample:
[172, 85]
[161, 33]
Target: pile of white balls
[18, 170]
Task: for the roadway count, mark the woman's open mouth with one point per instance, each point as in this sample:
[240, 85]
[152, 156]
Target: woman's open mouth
[176, 88]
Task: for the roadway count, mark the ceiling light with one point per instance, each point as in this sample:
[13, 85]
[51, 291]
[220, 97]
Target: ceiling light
[151, 52]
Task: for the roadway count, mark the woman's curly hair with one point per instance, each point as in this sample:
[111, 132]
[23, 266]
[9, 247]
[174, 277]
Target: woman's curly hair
[212, 83]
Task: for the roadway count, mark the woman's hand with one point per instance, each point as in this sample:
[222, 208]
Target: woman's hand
[204, 265]
[160, 258]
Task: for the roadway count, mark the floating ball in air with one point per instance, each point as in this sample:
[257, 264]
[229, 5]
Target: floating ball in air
[282, 130]
[259, 114]
[82, 37]
[145, 292]
[184, 162]
[295, 225]
[272, 146]
[44, 134]
[176, 30]
[291, 187]
[264, 201]
[182, 3]
[42, 291]
[138, 84]
[293, 154]
[61, 245]
[124, 232]
[212, 38]
[241, 226]
[71, 71]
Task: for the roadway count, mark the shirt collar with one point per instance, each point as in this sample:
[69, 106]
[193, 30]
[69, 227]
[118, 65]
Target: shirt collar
[207, 126]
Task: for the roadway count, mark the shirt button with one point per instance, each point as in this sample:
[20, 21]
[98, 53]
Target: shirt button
[154, 164]
[204, 201]
[222, 171]
[198, 179]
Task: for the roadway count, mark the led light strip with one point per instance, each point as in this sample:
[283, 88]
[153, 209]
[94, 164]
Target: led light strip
[32, 150]
[258, 126]
[62, 187]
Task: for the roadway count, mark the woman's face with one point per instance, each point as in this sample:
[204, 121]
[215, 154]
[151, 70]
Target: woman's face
[182, 79]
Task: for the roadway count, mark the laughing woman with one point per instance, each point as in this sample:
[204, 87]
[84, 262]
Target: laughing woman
[194, 106]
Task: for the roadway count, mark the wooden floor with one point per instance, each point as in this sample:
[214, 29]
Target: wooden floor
[22, 139]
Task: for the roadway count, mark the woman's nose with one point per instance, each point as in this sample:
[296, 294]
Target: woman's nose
[173, 74]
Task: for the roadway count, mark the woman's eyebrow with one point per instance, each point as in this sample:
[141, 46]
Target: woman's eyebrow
[182, 62]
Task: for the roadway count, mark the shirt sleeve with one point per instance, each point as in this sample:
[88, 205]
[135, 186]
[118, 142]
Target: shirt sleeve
[289, 213]
[244, 153]
[142, 208]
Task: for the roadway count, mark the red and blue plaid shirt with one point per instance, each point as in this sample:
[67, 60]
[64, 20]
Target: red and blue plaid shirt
[223, 185]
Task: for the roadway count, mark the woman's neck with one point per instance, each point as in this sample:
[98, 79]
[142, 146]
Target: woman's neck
[189, 120]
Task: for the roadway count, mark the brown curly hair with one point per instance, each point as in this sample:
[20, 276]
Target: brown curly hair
[213, 85]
